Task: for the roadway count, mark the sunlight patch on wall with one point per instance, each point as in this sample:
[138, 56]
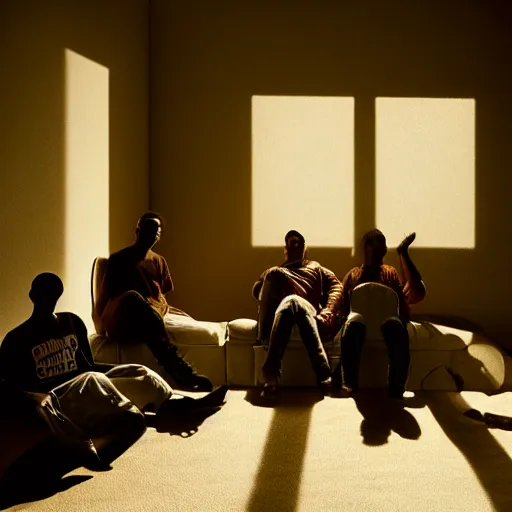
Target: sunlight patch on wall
[425, 170]
[303, 170]
[87, 179]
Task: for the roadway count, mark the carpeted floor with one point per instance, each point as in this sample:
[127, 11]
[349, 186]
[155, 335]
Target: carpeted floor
[307, 453]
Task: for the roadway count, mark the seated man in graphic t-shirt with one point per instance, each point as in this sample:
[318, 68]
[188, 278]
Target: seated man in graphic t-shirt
[133, 306]
[48, 359]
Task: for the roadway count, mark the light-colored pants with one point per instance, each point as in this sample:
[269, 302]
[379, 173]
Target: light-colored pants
[86, 405]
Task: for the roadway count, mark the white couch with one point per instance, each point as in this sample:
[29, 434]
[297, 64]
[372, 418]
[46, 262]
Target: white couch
[228, 353]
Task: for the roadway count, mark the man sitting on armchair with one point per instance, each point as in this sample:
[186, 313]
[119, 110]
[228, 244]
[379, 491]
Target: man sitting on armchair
[132, 302]
[394, 330]
[298, 292]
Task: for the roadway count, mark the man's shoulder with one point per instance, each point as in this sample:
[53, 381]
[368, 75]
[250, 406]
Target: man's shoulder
[152, 255]
[19, 333]
[353, 272]
[122, 253]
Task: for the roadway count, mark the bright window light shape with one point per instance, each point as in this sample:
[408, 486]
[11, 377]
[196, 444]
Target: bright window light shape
[87, 179]
[425, 171]
[303, 170]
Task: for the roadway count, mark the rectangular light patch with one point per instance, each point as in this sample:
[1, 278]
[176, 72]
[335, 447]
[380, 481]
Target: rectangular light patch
[303, 170]
[425, 170]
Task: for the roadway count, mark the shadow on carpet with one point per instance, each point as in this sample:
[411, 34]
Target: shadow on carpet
[182, 426]
[382, 416]
[38, 474]
[490, 462]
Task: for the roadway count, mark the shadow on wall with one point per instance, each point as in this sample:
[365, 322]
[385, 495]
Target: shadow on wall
[201, 134]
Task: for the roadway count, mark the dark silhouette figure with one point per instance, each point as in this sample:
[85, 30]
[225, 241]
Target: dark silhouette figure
[132, 303]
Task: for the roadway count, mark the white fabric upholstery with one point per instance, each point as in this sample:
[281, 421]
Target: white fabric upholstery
[202, 344]
[188, 331]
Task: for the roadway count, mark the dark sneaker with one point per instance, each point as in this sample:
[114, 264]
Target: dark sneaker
[188, 379]
[498, 421]
[324, 385]
[269, 391]
[186, 404]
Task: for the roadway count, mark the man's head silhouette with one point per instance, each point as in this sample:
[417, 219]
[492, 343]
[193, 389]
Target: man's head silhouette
[45, 291]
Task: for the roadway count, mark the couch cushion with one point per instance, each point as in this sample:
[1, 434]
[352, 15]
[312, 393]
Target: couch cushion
[429, 336]
[245, 329]
[187, 331]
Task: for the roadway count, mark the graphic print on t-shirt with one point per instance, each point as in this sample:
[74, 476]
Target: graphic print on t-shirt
[55, 356]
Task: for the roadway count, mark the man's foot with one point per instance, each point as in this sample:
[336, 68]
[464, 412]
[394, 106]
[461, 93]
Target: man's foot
[406, 242]
[336, 378]
[269, 391]
[187, 378]
[350, 390]
[186, 404]
[324, 385]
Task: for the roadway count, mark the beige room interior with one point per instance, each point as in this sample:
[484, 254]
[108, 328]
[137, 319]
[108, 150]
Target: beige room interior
[208, 62]
[181, 78]
[34, 38]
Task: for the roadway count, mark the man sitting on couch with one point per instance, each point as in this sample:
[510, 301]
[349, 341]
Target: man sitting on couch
[132, 302]
[298, 292]
[394, 330]
[47, 364]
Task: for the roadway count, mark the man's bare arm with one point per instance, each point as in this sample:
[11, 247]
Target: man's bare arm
[414, 287]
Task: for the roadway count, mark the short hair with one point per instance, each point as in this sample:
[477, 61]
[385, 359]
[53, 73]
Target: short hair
[47, 284]
[293, 233]
[150, 215]
[374, 235]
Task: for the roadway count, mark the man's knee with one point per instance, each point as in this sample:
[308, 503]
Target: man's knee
[292, 305]
[131, 297]
[354, 326]
[393, 326]
[96, 376]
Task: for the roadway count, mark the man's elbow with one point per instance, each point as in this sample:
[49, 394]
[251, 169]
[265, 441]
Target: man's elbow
[417, 295]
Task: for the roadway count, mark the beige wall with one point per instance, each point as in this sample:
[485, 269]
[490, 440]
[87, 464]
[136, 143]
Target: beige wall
[33, 135]
[209, 58]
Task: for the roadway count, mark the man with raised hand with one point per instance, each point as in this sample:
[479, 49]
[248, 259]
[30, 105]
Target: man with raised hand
[410, 290]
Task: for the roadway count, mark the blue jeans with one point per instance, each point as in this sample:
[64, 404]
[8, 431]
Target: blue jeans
[295, 310]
